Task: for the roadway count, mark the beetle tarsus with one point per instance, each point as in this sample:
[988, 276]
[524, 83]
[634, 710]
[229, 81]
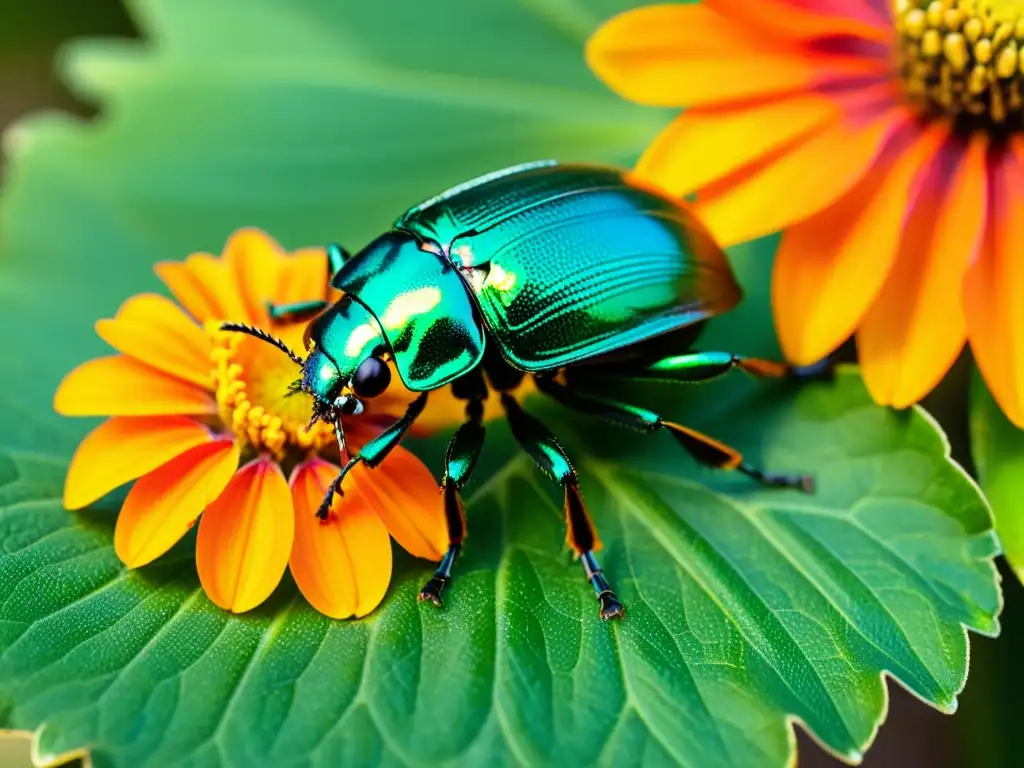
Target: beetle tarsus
[610, 605]
[442, 577]
[325, 510]
[823, 370]
[803, 483]
[432, 590]
[325, 506]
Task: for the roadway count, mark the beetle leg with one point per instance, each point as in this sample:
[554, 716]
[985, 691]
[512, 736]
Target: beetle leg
[375, 451]
[460, 460]
[581, 534]
[706, 450]
[693, 367]
[336, 258]
[300, 311]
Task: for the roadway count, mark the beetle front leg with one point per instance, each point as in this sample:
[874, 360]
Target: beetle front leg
[581, 535]
[375, 451]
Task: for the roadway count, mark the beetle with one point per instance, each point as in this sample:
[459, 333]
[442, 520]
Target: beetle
[562, 272]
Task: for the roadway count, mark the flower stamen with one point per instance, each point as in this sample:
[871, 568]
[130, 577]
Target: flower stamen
[259, 411]
[964, 58]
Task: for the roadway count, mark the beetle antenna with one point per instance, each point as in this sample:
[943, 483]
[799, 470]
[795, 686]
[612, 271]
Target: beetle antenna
[259, 333]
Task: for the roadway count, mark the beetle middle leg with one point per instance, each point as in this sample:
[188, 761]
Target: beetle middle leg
[581, 534]
[694, 367]
[704, 449]
[460, 460]
[300, 311]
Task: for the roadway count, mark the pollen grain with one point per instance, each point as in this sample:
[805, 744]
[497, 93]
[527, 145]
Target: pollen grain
[964, 58]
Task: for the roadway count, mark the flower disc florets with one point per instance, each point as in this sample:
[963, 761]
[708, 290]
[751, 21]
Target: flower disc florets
[252, 385]
[964, 57]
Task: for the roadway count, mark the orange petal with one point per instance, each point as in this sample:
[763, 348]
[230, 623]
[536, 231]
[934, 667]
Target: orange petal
[245, 538]
[198, 300]
[914, 331]
[405, 496]
[829, 268]
[121, 386]
[707, 144]
[254, 258]
[795, 183]
[342, 566]
[206, 287]
[809, 20]
[688, 55]
[302, 276]
[164, 504]
[993, 300]
[122, 449]
[154, 330]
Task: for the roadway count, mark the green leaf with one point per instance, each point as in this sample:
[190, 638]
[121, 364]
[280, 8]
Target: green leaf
[747, 608]
[997, 447]
[321, 121]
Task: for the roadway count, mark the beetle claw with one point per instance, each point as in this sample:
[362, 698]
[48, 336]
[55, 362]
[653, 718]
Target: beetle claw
[432, 590]
[611, 606]
[823, 370]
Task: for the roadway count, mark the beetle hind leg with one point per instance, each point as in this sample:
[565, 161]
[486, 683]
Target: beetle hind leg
[704, 449]
[712, 453]
[581, 535]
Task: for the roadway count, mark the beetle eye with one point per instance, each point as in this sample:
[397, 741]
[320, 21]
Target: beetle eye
[371, 378]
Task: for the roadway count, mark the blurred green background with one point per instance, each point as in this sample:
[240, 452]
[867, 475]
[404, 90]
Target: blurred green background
[982, 733]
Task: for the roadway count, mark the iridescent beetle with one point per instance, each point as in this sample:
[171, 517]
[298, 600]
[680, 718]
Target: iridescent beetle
[560, 272]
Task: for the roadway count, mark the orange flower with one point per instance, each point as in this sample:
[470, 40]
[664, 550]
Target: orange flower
[886, 139]
[201, 420]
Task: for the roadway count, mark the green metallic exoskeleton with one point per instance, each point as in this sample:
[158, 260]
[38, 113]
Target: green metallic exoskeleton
[561, 272]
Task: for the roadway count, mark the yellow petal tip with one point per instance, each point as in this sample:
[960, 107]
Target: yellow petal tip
[73, 502]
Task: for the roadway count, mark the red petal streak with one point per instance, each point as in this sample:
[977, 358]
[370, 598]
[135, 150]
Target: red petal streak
[797, 182]
[798, 20]
[915, 329]
[829, 268]
[994, 285]
[690, 55]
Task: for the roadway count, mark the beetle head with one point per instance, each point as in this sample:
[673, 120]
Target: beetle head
[344, 364]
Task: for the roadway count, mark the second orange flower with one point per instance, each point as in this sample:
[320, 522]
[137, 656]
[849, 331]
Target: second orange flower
[884, 137]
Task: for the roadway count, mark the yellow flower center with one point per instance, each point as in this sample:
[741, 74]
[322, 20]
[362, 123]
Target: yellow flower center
[252, 380]
[964, 58]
